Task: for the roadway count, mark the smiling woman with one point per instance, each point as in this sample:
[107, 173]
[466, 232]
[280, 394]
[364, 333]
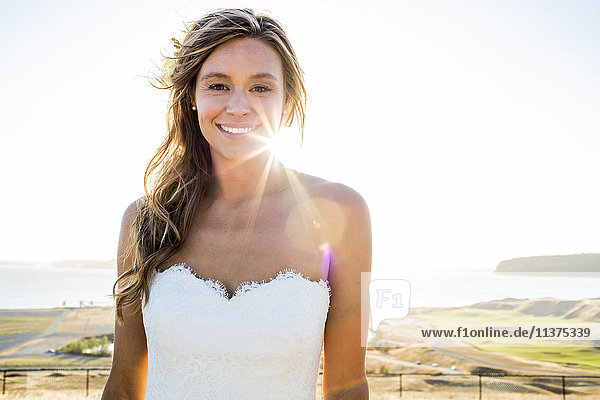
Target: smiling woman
[234, 270]
[240, 76]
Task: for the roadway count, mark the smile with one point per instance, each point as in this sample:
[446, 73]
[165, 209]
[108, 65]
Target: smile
[236, 131]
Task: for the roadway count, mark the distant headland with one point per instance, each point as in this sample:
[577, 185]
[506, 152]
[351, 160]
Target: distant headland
[103, 264]
[589, 262]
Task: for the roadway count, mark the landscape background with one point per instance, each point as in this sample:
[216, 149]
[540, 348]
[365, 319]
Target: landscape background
[470, 128]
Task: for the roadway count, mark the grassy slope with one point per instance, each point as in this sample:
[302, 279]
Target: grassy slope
[540, 350]
[14, 325]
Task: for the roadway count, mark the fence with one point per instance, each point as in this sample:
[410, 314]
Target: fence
[483, 386]
[71, 383]
[48, 383]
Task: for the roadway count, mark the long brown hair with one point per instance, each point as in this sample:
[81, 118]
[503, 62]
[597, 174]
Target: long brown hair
[179, 177]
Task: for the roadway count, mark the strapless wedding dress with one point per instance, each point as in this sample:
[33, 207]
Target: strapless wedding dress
[263, 343]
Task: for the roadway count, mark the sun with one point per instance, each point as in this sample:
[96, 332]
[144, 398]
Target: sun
[285, 146]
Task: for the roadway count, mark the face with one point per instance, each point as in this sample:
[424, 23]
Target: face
[239, 97]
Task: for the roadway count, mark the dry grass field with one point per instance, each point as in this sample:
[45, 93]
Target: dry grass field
[30, 333]
[70, 385]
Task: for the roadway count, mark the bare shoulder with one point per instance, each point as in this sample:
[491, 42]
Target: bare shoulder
[125, 235]
[336, 213]
[347, 215]
[133, 208]
[334, 191]
[338, 204]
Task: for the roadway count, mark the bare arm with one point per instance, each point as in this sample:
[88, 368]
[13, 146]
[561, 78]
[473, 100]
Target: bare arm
[344, 375]
[127, 379]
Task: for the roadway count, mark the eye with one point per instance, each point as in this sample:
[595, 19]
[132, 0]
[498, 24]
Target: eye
[217, 86]
[261, 89]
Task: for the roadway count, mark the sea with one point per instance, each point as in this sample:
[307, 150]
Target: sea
[34, 286]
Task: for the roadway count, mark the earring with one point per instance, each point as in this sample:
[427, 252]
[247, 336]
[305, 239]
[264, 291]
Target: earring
[194, 108]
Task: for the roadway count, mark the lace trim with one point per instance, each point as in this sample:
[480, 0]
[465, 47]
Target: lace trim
[245, 286]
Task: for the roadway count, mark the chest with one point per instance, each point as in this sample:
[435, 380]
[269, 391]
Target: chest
[235, 246]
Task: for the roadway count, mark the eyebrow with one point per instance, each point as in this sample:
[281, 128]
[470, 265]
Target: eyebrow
[225, 76]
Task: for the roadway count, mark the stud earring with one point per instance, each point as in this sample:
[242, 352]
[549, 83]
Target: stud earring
[194, 108]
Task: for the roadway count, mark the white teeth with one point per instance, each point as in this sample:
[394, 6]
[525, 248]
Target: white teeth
[235, 130]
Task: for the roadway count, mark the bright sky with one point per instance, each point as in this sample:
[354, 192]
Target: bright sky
[471, 128]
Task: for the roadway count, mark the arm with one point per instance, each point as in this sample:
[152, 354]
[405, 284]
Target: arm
[127, 379]
[344, 374]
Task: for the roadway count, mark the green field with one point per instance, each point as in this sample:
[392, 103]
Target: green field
[535, 350]
[586, 357]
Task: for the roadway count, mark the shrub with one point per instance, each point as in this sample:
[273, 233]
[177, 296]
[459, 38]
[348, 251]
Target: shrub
[383, 370]
[91, 345]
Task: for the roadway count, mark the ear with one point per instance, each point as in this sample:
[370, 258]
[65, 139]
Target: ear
[192, 95]
[286, 107]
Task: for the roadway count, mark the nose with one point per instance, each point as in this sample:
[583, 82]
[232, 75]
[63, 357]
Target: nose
[238, 104]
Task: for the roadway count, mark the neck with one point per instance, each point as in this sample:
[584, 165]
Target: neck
[250, 179]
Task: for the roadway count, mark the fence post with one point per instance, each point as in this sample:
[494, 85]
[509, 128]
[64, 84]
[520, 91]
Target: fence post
[479, 386]
[87, 382]
[4, 382]
[400, 376]
[563, 385]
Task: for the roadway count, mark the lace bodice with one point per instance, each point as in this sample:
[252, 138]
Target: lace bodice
[262, 343]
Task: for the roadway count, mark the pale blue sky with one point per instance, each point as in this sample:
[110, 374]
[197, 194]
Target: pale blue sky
[470, 127]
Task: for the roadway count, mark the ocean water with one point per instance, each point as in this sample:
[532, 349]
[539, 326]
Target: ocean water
[42, 286]
[443, 288]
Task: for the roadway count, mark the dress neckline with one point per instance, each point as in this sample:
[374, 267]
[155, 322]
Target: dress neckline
[245, 286]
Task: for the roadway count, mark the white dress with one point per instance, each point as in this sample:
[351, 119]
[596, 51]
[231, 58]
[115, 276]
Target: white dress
[263, 343]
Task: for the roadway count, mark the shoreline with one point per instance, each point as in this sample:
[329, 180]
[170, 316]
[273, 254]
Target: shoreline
[511, 300]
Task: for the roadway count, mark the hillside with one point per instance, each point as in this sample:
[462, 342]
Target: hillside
[586, 310]
[561, 263]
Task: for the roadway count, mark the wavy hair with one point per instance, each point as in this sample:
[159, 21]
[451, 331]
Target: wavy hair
[179, 178]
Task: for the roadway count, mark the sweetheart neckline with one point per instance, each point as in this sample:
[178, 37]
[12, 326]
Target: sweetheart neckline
[244, 287]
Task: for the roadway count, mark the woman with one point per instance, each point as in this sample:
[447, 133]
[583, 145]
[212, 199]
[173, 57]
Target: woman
[234, 270]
